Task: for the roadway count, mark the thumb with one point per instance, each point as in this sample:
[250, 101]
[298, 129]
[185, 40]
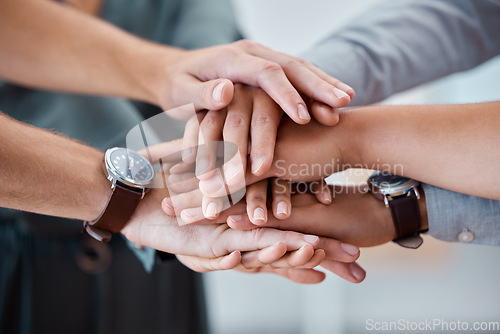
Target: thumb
[208, 95]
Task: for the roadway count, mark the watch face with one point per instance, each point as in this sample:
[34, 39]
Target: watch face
[389, 184]
[129, 166]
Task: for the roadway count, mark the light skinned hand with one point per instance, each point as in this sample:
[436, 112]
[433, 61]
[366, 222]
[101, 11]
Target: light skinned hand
[204, 77]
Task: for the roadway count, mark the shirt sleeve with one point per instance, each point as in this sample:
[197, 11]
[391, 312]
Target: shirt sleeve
[450, 214]
[397, 45]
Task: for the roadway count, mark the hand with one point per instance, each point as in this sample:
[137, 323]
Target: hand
[296, 266]
[149, 226]
[303, 153]
[196, 77]
[252, 117]
[354, 216]
[339, 256]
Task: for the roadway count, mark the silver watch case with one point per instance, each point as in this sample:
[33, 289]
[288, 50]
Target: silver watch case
[385, 187]
[114, 175]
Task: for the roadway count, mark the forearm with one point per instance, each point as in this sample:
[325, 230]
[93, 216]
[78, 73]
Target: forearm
[46, 173]
[450, 146]
[79, 53]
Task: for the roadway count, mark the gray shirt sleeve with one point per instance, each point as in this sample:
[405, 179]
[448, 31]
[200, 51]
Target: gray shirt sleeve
[400, 44]
[450, 214]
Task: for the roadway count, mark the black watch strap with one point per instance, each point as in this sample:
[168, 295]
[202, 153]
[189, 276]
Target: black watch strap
[407, 220]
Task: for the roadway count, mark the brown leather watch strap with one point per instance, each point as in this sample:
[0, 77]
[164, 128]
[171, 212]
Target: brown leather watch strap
[121, 205]
[406, 215]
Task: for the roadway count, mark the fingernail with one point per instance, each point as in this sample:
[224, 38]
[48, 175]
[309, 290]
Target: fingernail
[188, 217]
[166, 205]
[231, 171]
[344, 87]
[282, 208]
[340, 93]
[357, 271]
[235, 218]
[311, 239]
[350, 249]
[217, 93]
[257, 164]
[327, 197]
[303, 114]
[259, 214]
[211, 210]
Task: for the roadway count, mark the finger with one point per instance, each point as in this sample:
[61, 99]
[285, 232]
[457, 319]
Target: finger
[266, 118]
[339, 251]
[210, 94]
[324, 114]
[305, 257]
[301, 221]
[184, 112]
[190, 139]
[203, 265]
[212, 207]
[209, 143]
[213, 186]
[263, 257]
[256, 202]
[276, 257]
[297, 275]
[313, 83]
[176, 203]
[281, 198]
[333, 81]
[166, 151]
[236, 130]
[182, 183]
[351, 272]
[268, 75]
[260, 238]
[322, 192]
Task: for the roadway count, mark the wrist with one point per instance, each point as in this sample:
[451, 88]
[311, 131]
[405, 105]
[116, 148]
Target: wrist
[152, 66]
[344, 140]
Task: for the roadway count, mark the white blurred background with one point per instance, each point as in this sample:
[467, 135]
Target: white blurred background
[448, 281]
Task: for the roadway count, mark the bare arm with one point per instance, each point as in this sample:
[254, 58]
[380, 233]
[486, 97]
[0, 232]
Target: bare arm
[49, 174]
[450, 146]
[52, 46]
[48, 45]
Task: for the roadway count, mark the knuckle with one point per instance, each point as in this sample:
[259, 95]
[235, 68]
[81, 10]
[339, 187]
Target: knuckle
[256, 196]
[244, 44]
[293, 62]
[230, 50]
[209, 122]
[270, 68]
[235, 122]
[261, 120]
[257, 235]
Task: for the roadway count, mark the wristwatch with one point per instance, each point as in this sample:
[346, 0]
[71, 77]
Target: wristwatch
[400, 195]
[130, 174]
